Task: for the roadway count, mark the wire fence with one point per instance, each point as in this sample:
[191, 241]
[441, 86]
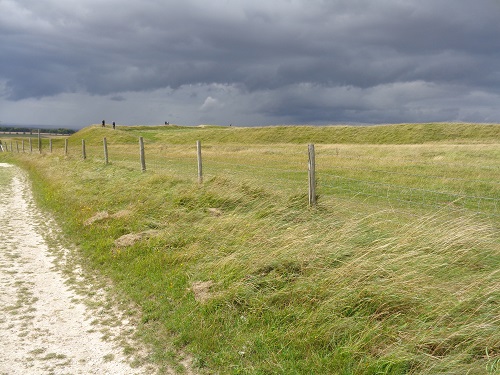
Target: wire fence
[399, 180]
[409, 195]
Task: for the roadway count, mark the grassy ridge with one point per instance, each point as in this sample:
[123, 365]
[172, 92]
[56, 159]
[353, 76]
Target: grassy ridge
[249, 280]
[381, 134]
[411, 134]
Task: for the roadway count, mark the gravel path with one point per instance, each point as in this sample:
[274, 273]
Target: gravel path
[45, 326]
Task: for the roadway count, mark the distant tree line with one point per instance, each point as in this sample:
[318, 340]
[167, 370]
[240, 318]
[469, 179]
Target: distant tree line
[13, 129]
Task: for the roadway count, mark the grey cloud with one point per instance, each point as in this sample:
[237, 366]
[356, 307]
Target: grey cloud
[118, 98]
[399, 102]
[267, 48]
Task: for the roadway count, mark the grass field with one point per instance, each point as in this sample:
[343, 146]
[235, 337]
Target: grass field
[395, 271]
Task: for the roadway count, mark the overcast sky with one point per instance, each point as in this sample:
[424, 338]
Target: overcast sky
[249, 62]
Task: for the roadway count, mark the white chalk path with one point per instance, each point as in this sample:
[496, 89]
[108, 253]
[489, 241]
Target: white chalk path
[45, 328]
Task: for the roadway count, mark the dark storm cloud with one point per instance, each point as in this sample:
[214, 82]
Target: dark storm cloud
[315, 60]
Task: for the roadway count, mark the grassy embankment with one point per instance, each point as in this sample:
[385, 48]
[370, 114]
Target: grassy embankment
[240, 273]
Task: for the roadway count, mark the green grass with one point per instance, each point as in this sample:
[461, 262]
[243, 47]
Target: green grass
[5, 177]
[367, 282]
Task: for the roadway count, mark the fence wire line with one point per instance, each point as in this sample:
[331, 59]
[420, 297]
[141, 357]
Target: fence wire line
[384, 184]
[458, 165]
[422, 202]
[419, 175]
[357, 157]
[250, 166]
[158, 160]
[418, 203]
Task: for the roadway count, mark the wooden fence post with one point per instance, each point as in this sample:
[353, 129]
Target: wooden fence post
[143, 158]
[200, 165]
[17, 146]
[39, 142]
[31, 146]
[84, 154]
[105, 150]
[312, 176]
[66, 146]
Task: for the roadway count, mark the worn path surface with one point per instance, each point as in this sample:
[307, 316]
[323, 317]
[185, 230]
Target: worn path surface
[45, 328]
